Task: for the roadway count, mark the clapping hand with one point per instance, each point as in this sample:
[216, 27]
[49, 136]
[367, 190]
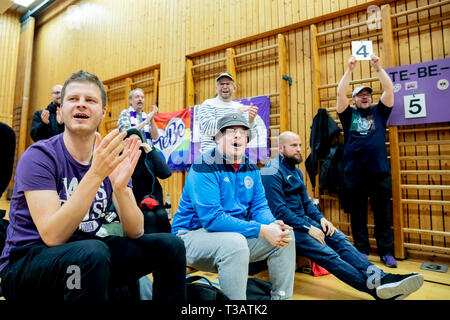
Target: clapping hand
[45, 116]
[121, 175]
[252, 113]
[243, 109]
[58, 115]
[151, 114]
[115, 157]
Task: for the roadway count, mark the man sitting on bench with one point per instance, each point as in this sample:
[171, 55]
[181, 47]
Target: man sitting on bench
[316, 237]
[224, 220]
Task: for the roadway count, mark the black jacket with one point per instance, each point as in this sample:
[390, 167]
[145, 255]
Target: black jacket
[150, 166]
[40, 130]
[8, 147]
[323, 130]
[287, 195]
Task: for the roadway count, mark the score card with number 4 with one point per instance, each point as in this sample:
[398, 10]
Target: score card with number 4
[362, 50]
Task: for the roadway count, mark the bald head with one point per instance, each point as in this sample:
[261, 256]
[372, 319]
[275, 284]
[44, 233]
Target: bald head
[286, 136]
[56, 94]
[289, 146]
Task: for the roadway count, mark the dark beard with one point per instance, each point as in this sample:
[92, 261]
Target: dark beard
[293, 160]
[362, 111]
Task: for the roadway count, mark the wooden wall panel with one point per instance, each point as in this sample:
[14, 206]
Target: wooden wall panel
[115, 37]
[9, 50]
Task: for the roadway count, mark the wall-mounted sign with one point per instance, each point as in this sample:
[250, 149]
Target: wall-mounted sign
[421, 93]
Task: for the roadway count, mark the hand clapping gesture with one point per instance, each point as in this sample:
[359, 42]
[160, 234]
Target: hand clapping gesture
[151, 114]
[252, 112]
[45, 116]
[115, 157]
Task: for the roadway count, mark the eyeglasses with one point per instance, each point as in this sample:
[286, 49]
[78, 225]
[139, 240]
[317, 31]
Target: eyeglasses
[225, 84]
[364, 95]
[233, 132]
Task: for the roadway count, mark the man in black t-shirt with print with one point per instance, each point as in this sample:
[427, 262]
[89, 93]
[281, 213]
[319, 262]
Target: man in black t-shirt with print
[366, 165]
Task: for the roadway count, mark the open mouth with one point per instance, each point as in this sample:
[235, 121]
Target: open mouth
[81, 116]
[237, 145]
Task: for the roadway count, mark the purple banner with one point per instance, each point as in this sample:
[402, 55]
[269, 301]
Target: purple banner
[258, 148]
[421, 93]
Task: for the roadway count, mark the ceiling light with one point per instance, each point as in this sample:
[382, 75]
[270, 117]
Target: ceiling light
[23, 3]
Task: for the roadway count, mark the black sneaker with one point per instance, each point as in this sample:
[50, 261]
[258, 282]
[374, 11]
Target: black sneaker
[399, 286]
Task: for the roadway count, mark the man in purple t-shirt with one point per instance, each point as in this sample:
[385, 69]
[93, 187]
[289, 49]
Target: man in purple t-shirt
[55, 245]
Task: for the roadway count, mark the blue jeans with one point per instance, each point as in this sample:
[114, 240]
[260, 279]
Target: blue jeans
[340, 258]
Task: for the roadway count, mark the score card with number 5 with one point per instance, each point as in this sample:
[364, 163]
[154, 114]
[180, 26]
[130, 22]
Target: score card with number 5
[415, 106]
[362, 50]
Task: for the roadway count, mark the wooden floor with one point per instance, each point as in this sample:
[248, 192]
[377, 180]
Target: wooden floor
[328, 287]
[307, 287]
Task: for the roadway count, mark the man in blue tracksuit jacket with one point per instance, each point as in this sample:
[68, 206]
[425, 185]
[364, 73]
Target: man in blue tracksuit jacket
[224, 220]
[316, 237]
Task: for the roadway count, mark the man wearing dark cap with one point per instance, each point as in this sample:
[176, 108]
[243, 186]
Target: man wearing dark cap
[224, 219]
[366, 165]
[211, 110]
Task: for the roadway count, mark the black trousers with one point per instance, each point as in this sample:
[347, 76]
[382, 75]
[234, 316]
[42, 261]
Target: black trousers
[156, 220]
[378, 188]
[92, 269]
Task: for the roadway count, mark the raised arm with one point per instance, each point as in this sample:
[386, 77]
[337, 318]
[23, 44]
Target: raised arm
[387, 96]
[342, 100]
[153, 127]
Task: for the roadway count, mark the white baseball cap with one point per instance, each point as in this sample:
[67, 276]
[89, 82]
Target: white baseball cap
[224, 74]
[359, 89]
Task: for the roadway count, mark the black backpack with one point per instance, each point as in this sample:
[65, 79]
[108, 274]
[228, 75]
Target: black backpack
[196, 291]
[258, 289]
